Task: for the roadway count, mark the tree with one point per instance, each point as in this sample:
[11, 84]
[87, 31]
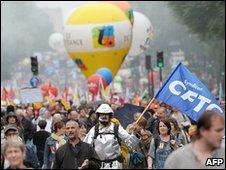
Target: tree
[207, 20]
[25, 29]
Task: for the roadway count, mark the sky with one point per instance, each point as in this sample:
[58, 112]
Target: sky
[66, 6]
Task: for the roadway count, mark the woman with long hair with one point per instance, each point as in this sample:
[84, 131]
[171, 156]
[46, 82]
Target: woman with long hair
[177, 132]
[161, 146]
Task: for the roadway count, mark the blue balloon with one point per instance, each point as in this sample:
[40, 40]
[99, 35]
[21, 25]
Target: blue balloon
[106, 73]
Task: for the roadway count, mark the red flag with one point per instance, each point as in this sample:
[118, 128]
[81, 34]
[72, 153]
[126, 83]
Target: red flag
[65, 93]
[12, 94]
[5, 94]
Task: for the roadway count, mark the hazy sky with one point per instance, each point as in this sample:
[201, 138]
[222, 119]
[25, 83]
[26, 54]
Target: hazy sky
[66, 6]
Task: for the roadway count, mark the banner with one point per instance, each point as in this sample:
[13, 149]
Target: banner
[31, 95]
[184, 91]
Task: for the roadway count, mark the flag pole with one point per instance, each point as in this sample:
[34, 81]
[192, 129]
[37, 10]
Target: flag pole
[145, 109]
[158, 92]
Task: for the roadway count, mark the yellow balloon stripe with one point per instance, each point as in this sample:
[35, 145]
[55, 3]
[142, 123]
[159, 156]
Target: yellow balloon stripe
[90, 62]
[96, 13]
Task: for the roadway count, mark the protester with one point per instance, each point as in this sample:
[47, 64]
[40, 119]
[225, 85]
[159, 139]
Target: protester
[11, 133]
[49, 119]
[58, 106]
[52, 143]
[28, 127]
[64, 116]
[181, 118]
[82, 113]
[73, 115]
[210, 130]
[129, 127]
[39, 140]
[10, 108]
[92, 119]
[82, 130]
[75, 154]
[138, 156]
[192, 132]
[14, 152]
[154, 121]
[161, 146]
[106, 136]
[12, 119]
[56, 118]
[2, 128]
[177, 132]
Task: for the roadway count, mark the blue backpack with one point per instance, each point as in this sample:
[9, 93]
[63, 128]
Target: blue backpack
[31, 157]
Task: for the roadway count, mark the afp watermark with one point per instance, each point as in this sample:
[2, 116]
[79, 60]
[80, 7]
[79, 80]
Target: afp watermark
[214, 161]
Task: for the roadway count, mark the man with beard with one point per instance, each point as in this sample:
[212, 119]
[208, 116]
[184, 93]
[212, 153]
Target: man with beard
[75, 154]
[106, 138]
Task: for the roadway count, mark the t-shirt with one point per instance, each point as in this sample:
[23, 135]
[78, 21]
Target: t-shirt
[185, 158]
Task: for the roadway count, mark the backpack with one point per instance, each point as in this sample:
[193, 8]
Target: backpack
[31, 157]
[115, 133]
[96, 133]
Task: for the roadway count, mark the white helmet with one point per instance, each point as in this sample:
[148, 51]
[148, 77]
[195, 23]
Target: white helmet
[104, 108]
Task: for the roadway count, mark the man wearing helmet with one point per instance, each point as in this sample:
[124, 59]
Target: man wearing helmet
[106, 138]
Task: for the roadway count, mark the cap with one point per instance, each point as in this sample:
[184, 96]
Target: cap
[11, 114]
[10, 127]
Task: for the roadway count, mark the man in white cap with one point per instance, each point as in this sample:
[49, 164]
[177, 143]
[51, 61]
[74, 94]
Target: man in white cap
[106, 137]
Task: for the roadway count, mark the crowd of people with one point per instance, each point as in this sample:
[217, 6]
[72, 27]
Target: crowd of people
[90, 136]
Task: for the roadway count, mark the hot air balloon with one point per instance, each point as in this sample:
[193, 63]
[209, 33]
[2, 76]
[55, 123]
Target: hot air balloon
[142, 34]
[98, 35]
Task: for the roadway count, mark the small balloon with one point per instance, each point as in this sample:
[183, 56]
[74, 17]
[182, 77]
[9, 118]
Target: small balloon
[56, 41]
[106, 73]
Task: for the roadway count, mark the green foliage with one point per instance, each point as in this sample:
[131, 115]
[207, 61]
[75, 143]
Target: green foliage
[205, 18]
[25, 29]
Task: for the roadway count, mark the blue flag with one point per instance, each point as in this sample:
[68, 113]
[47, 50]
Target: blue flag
[184, 91]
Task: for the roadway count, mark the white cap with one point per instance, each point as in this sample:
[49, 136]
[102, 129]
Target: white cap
[104, 108]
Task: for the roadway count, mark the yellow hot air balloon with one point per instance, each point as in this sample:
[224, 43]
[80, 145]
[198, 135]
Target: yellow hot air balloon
[98, 35]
